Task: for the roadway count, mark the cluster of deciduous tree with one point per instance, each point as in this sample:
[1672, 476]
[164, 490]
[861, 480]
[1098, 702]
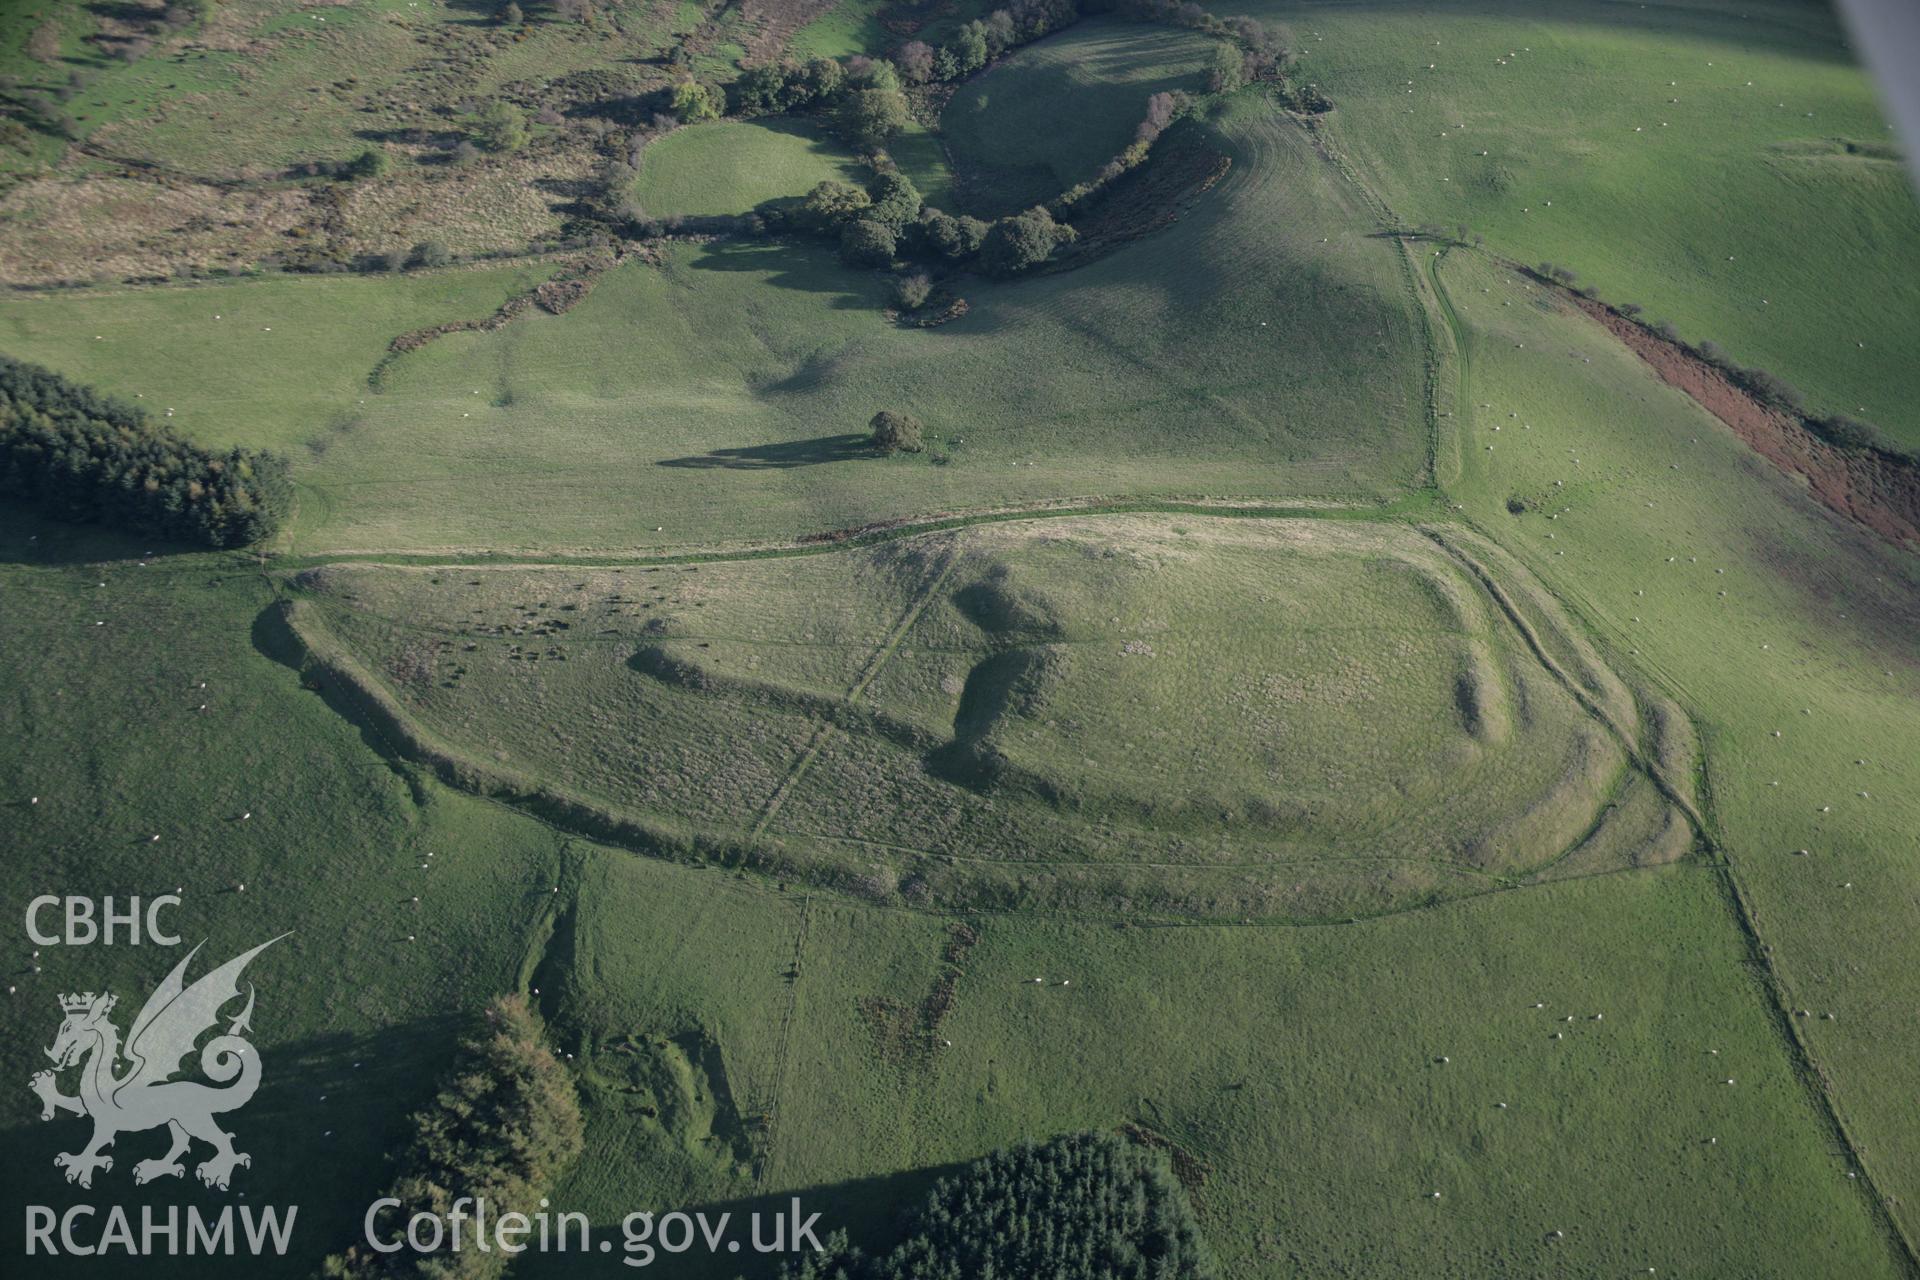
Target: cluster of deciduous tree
[1259, 53]
[974, 44]
[79, 455]
[888, 221]
[1084, 1207]
[505, 1124]
[862, 97]
[1162, 110]
[865, 100]
[865, 95]
[870, 223]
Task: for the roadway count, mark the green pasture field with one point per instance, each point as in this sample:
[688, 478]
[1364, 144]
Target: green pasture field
[1209, 716]
[842, 31]
[277, 362]
[770, 1030]
[105, 727]
[856, 27]
[726, 392]
[1695, 563]
[1088, 84]
[1553, 751]
[721, 395]
[729, 167]
[1767, 209]
[922, 156]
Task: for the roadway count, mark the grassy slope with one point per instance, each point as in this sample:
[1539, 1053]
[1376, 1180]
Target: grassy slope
[1090, 85]
[286, 363]
[1812, 638]
[855, 27]
[731, 167]
[102, 723]
[1213, 718]
[1208, 359]
[1312, 1093]
[1357, 1014]
[1742, 196]
[716, 396]
[844, 30]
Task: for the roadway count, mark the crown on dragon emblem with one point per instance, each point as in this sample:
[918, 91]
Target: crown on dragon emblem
[146, 1095]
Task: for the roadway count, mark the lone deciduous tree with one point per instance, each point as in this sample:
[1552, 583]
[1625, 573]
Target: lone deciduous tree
[911, 291]
[895, 432]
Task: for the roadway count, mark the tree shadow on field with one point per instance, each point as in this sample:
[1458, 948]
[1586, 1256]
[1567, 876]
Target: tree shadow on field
[805, 266]
[330, 1112]
[779, 457]
[28, 538]
[480, 13]
[817, 140]
[871, 1210]
[132, 14]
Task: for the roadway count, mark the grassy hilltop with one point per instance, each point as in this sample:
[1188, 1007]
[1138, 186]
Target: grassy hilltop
[1416, 748]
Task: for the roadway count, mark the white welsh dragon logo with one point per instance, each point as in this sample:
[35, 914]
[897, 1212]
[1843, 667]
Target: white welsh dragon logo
[146, 1096]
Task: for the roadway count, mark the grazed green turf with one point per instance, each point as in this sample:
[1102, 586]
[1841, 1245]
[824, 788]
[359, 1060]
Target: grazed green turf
[715, 397]
[276, 363]
[844, 30]
[731, 167]
[1262, 347]
[1089, 84]
[1312, 1096]
[1761, 613]
[1739, 212]
[1219, 718]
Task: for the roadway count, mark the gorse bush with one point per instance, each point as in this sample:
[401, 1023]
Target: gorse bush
[501, 126]
[78, 455]
[1084, 1207]
[504, 1126]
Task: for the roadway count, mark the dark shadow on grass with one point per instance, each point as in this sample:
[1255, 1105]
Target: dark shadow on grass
[779, 457]
[807, 265]
[479, 13]
[273, 638]
[818, 141]
[872, 1211]
[133, 15]
[330, 1112]
[28, 538]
